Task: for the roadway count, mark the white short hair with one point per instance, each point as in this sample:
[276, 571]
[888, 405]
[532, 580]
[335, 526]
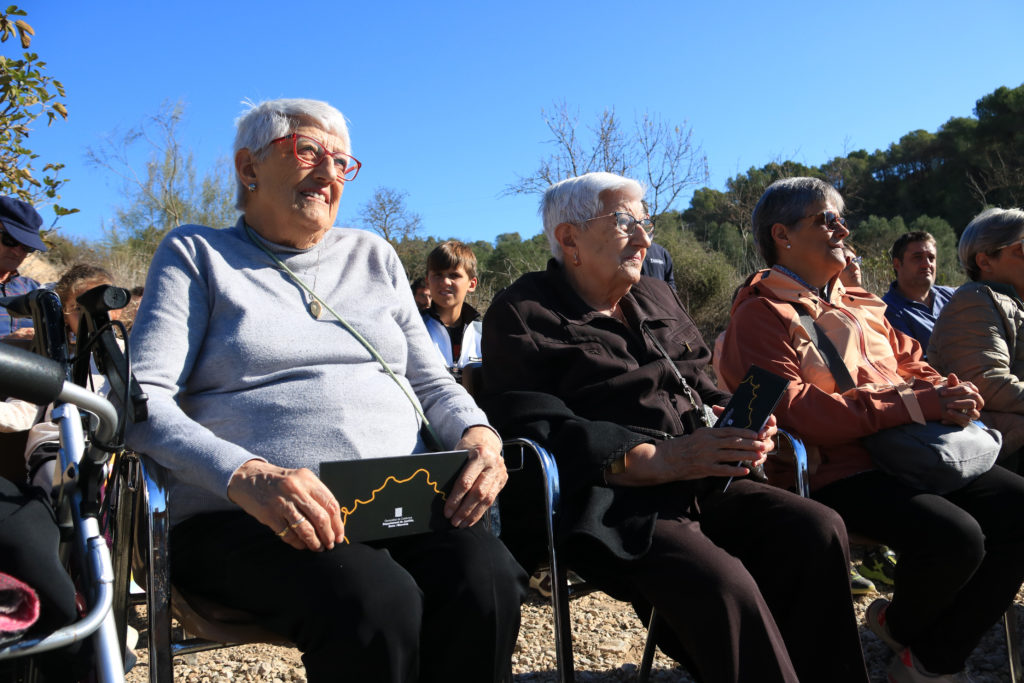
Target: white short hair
[985, 234]
[578, 199]
[273, 119]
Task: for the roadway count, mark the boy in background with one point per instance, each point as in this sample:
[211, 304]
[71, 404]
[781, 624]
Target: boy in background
[421, 292]
[454, 325]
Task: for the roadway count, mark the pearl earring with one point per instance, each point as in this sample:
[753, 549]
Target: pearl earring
[789, 246]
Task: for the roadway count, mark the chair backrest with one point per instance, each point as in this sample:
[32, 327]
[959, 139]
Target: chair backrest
[473, 379]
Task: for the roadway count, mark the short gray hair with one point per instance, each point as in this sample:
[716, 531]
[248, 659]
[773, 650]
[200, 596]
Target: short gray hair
[786, 201]
[990, 229]
[575, 200]
[273, 119]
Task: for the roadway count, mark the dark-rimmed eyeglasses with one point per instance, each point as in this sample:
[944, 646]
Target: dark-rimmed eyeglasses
[831, 219]
[310, 152]
[11, 243]
[626, 223]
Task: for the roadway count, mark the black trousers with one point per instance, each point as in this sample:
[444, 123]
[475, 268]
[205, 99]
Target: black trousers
[961, 556]
[753, 585]
[436, 607]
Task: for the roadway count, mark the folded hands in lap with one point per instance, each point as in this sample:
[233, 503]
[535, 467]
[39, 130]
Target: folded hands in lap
[296, 505]
[960, 401]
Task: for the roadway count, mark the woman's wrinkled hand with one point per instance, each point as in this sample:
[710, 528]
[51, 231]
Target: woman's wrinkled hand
[961, 402]
[708, 452]
[480, 480]
[294, 503]
[720, 452]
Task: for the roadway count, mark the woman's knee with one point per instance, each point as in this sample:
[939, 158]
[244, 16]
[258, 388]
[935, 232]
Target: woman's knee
[491, 579]
[810, 528]
[945, 530]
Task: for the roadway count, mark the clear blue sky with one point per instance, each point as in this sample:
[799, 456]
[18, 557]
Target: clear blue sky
[444, 98]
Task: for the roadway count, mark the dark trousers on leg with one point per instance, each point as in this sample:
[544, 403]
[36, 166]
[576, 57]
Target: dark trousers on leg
[753, 585]
[961, 556]
[437, 607]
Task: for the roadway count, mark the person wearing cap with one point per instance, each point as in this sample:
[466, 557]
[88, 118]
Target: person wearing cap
[19, 237]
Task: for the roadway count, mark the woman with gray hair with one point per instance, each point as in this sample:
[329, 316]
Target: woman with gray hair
[606, 368]
[246, 345]
[961, 553]
[980, 332]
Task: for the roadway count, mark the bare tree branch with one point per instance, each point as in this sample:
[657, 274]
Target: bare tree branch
[386, 214]
[163, 191]
[660, 155]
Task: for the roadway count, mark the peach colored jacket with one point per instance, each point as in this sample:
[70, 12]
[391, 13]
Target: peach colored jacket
[894, 385]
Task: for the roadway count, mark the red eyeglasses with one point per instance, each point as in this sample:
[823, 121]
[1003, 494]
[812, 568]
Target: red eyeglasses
[309, 153]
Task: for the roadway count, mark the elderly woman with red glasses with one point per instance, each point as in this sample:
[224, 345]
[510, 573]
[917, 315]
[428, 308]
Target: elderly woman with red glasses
[961, 554]
[981, 336]
[607, 368]
[250, 345]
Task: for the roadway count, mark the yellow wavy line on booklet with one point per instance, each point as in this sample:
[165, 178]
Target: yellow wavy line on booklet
[753, 398]
[345, 512]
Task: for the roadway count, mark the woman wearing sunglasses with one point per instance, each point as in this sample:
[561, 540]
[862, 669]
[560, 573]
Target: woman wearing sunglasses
[961, 555]
[980, 333]
[19, 237]
[254, 380]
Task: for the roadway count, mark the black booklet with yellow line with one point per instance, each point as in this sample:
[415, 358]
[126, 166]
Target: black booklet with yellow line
[753, 402]
[384, 498]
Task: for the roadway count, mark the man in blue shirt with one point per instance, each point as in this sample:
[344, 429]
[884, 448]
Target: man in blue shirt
[658, 264]
[19, 237]
[913, 299]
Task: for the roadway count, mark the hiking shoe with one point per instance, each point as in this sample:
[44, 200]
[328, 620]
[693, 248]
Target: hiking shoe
[541, 582]
[906, 668]
[879, 565]
[859, 585]
[875, 618]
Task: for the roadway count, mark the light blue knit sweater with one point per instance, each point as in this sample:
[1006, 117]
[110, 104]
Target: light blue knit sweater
[236, 367]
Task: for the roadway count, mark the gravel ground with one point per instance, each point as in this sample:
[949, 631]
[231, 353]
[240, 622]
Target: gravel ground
[608, 642]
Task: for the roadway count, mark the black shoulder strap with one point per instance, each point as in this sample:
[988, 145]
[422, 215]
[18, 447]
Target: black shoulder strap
[844, 382]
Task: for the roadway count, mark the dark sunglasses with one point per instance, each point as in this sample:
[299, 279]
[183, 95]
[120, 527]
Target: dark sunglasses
[11, 243]
[831, 219]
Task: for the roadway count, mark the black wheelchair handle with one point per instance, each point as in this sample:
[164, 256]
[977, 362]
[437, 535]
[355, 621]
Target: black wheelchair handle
[18, 306]
[29, 376]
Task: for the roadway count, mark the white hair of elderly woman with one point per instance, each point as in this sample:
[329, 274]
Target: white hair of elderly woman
[987, 232]
[273, 119]
[575, 200]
